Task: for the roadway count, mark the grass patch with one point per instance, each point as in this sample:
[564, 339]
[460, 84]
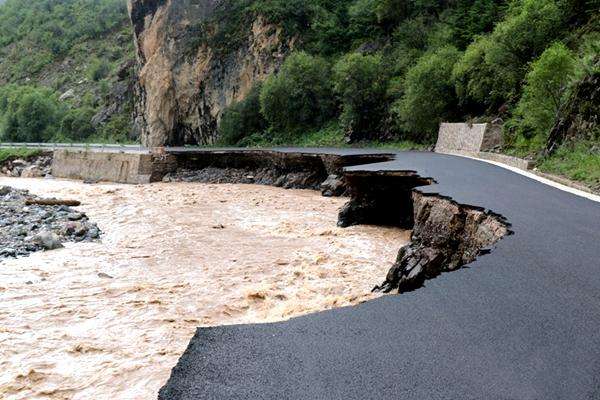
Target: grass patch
[6, 154]
[332, 135]
[579, 162]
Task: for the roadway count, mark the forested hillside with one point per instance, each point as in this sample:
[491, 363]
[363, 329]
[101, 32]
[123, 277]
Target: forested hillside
[65, 70]
[394, 69]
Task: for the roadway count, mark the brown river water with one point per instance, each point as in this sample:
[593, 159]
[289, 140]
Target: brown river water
[109, 320]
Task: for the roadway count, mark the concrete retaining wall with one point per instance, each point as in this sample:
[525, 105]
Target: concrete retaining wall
[468, 137]
[121, 167]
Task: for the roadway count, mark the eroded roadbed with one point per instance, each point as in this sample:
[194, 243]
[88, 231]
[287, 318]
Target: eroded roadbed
[521, 322]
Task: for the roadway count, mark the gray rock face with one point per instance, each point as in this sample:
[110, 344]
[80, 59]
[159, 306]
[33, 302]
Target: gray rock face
[333, 186]
[69, 94]
[184, 84]
[28, 228]
[119, 97]
[33, 171]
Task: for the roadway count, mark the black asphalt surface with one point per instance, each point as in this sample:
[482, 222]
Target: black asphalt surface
[520, 323]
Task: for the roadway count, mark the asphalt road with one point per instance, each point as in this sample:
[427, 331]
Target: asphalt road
[520, 323]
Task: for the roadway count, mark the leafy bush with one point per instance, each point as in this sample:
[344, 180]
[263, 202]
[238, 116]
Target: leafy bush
[360, 82]
[363, 19]
[32, 114]
[428, 94]
[471, 18]
[117, 130]
[28, 114]
[299, 97]
[242, 119]
[76, 124]
[98, 69]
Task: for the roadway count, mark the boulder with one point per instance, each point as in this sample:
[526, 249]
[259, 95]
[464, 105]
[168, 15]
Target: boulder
[32, 171]
[47, 240]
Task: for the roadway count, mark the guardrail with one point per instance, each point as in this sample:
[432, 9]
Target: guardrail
[72, 145]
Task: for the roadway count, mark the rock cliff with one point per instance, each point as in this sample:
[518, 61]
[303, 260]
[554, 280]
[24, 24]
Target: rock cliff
[184, 80]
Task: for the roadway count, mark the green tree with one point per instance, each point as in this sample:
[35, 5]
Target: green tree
[76, 124]
[28, 114]
[360, 81]
[429, 96]
[493, 67]
[98, 69]
[299, 97]
[242, 119]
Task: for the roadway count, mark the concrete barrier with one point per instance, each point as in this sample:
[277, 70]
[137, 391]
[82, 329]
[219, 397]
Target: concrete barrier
[110, 166]
[468, 137]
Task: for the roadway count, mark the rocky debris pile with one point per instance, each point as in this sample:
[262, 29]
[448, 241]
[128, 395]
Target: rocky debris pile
[261, 176]
[33, 167]
[25, 229]
[446, 236]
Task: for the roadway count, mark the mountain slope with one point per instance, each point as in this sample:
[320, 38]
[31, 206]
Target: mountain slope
[77, 50]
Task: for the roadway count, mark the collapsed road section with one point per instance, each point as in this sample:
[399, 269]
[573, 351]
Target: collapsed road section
[521, 322]
[446, 235]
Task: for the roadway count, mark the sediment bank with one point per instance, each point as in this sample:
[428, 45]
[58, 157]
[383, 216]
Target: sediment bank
[27, 226]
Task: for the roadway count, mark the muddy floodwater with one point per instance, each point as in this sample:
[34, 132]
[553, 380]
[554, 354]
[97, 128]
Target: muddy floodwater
[109, 320]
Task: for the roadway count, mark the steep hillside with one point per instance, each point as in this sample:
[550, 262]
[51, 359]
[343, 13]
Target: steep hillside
[75, 59]
[304, 72]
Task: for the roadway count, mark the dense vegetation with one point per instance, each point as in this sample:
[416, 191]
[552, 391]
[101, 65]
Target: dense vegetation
[362, 70]
[394, 69]
[73, 47]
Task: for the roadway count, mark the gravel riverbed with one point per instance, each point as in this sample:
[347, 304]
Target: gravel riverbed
[25, 229]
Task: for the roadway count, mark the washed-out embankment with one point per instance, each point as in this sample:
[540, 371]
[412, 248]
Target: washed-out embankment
[446, 235]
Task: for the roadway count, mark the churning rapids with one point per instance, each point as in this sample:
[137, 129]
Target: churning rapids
[109, 320]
